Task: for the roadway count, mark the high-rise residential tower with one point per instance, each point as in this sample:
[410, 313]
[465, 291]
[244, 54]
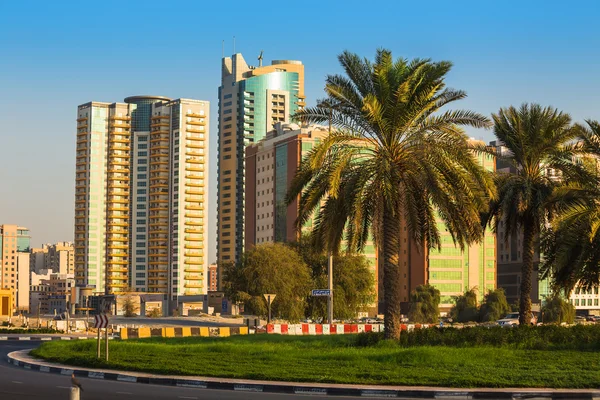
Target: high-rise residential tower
[251, 101]
[141, 181]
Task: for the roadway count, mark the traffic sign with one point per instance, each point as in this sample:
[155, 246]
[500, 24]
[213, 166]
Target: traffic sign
[269, 297]
[321, 292]
[101, 321]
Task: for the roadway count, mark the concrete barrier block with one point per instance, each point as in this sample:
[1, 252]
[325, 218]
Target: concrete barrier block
[169, 332]
[312, 329]
[224, 331]
[123, 333]
[243, 330]
[325, 329]
[204, 331]
[144, 332]
[186, 331]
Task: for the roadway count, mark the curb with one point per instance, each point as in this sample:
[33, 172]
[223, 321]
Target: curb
[46, 338]
[306, 389]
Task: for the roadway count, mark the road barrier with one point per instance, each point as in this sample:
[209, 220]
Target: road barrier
[205, 331]
[333, 329]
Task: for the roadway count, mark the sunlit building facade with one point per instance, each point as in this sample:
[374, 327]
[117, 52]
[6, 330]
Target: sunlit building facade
[141, 187]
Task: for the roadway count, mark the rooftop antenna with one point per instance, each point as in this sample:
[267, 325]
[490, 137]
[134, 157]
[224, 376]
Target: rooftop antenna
[234, 45]
[260, 58]
[223, 49]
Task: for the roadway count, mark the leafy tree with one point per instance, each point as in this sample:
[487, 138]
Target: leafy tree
[353, 281]
[538, 141]
[393, 161]
[353, 288]
[557, 310]
[154, 313]
[571, 245]
[130, 308]
[270, 268]
[494, 306]
[465, 308]
[424, 302]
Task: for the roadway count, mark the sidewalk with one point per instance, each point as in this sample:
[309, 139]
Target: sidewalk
[23, 359]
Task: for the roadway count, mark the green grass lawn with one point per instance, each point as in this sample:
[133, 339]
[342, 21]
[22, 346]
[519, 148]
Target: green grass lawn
[337, 359]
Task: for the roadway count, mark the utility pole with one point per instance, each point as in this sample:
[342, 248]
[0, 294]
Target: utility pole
[67, 317]
[106, 337]
[39, 321]
[330, 287]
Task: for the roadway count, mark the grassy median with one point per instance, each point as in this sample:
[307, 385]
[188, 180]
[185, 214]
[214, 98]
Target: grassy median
[339, 359]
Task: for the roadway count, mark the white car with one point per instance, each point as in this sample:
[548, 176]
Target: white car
[512, 319]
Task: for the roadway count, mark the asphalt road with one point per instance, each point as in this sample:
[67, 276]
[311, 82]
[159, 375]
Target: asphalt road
[19, 384]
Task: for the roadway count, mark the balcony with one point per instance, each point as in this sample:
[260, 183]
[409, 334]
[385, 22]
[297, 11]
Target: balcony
[193, 285]
[195, 123]
[194, 115]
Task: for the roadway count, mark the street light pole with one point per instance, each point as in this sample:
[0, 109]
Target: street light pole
[330, 287]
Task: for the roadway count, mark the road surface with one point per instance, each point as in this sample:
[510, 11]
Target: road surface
[20, 384]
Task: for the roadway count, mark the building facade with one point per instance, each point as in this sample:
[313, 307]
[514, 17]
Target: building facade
[251, 101]
[213, 279]
[270, 167]
[58, 257]
[141, 190]
[51, 294]
[15, 244]
[451, 270]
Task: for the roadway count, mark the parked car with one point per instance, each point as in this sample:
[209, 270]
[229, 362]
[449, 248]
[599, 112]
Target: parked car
[512, 319]
[579, 319]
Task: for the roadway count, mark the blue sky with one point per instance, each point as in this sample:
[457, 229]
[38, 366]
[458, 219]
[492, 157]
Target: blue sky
[55, 55]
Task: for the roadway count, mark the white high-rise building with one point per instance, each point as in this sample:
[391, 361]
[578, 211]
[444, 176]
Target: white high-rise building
[141, 190]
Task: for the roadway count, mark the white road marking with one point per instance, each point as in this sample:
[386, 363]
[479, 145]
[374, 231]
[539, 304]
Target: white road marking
[17, 382]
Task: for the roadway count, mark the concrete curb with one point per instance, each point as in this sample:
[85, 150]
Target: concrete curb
[46, 338]
[22, 359]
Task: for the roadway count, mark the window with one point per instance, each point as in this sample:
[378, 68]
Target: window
[141, 199]
[140, 274]
[141, 176]
[142, 146]
[142, 153]
[140, 259]
[140, 252]
[142, 169]
[142, 161]
[140, 267]
[141, 191]
[141, 214]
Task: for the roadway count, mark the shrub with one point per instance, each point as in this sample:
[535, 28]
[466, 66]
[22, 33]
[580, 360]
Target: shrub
[424, 302]
[465, 309]
[547, 337]
[557, 310]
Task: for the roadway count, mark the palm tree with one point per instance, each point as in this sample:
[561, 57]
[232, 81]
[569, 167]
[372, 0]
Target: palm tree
[393, 162]
[571, 245]
[538, 140]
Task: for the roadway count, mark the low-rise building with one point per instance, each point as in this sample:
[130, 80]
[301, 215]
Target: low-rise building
[52, 295]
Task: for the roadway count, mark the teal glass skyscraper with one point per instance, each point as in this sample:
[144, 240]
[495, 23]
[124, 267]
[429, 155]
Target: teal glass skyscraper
[251, 101]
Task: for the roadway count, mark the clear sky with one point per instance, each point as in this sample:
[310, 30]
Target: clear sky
[55, 55]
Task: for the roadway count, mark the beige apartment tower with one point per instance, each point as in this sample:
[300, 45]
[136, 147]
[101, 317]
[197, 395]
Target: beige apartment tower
[251, 101]
[141, 187]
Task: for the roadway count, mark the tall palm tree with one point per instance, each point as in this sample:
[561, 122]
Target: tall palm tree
[539, 142]
[392, 161]
[571, 245]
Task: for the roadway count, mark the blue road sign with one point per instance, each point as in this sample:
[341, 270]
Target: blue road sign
[321, 292]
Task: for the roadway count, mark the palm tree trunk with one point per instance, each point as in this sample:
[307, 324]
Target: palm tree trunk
[391, 275]
[526, 270]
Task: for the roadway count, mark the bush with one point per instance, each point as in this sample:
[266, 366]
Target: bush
[557, 310]
[465, 309]
[424, 302]
[547, 337]
[154, 313]
[494, 306]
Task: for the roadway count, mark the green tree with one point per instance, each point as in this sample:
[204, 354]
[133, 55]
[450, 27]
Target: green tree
[424, 302]
[130, 308]
[571, 245]
[353, 281]
[394, 161]
[538, 142]
[270, 268]
[494, 306]
[557, 310]
[465, 307]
